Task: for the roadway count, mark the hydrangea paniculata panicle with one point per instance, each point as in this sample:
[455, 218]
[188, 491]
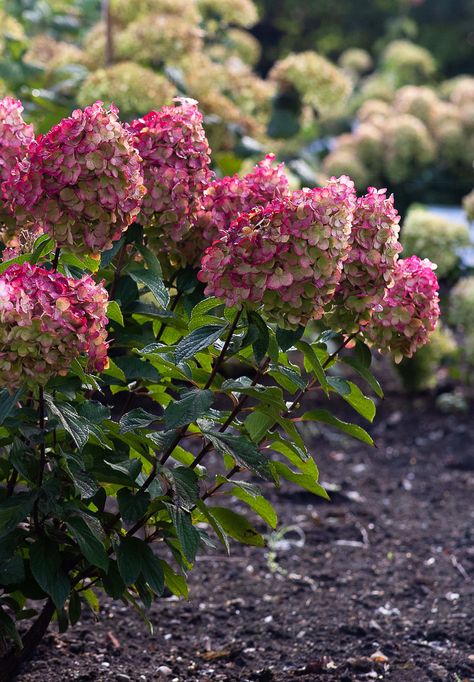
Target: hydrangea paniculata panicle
[286, 256]
[368, 270]
[46, 321]
[227, 197]
[176, 166]
[15, 137]
[409, 312]
[81, 182]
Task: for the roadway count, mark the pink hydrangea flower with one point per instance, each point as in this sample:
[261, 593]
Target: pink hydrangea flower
[82, 182]
[176, 167]
[409, 311]
[227, 197]
[369, 268]
[46, 321]
[15, 136]
[286, 256]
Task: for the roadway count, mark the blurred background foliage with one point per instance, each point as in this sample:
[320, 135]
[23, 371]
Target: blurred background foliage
[381, 90]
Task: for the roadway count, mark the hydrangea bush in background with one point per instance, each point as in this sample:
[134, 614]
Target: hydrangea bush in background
[115, 340]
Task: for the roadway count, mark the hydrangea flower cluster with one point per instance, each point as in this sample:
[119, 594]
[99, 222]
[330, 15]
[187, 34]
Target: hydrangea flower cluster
[286, 256]
[175, 153]
[369, 267]
[15, 136]
[81, 182]
[321, 84]
[409, 311]
[227, 197]
[48, 320]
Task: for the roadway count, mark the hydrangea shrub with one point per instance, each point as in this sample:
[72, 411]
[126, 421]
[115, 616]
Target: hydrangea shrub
[113, 388]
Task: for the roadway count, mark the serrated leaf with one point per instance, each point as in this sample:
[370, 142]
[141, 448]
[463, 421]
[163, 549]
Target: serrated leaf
[188, 536]
[196, 341]
[327, 418]
[288, 337]
[45, 564]
[129, 559]
[90, 545]
[152, 570]
[153, 283]
[8, 403]
[70, 420]
[237, 526]
[185, 486]
[185, 411]
[136, 419]
[132, 506]
[244, 451]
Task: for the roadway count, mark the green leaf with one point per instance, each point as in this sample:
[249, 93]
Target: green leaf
[18, 260]
[12, 570]
[205, 306]
[237, 526]
[214, 523]
[188, 536]
[152, 570]
[70, 420]
[288, 378]
[153, 283]
[136, 419]
[42, 246]
[15, 509]
[258, 503]
[196, 341]
[260, 345]
[74, 608]
[244, 451]
[185, 486]
[174, 582]
[45, 563]
[8, 629]
[129, 559]
[365, 373]
[287, 338]
[258, 424]
[114, 312]
[327, 418]
[82, 263]
[91, 546]
[185, 411]
[271, 395]
[302, 480]
[8, 403]
[354, 396]
[132, 506]
[316, 366]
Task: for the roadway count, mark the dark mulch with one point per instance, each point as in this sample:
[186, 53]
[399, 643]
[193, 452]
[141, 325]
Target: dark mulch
[382, 588]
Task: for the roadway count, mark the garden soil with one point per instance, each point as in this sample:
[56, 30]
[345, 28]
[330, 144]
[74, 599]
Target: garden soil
[377, 584]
